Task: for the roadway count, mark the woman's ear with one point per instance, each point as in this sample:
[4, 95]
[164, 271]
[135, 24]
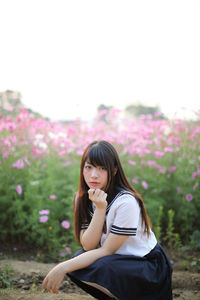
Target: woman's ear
[115, 171]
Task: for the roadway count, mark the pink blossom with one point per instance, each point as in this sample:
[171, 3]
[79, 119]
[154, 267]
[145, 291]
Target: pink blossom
[198, 171]
[131, 162]
[44, 212]
[24, 111]
[188, 197]
[194, 175]
[145, 185]
[52, 197]
[63, 254]
[36, 151]
[66, 164]
[18, 164]
[10, 108]
[151, 163]
[65, 224]
[178, 189]
[68, 250]
[172, 169]
[79, 152]
[27, 161]
[195, 186]
[103, 112]
[135, 181]
[5, 155]
[43, 219]
[158, 154]
[168, 149]
[161, 170]
[19, 189]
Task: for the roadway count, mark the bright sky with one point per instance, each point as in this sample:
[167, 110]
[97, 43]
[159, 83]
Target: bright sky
[68, 56]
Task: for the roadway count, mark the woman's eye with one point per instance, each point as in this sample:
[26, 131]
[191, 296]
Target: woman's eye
[102, 168]
[88, 167]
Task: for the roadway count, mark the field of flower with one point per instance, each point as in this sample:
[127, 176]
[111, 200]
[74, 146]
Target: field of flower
[39, 172]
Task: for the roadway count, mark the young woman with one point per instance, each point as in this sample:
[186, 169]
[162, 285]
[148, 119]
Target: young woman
[121, 258]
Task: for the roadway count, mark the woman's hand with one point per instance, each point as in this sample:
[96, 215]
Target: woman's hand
[54, 279]
[98, 197]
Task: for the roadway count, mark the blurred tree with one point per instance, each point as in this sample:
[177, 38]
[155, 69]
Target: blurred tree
[137, 110]
[103, 110]
[104, 107]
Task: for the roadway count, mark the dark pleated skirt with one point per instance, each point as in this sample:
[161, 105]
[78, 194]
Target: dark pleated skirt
[128, 277]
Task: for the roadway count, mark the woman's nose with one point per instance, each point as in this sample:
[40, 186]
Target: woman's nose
[94, 173]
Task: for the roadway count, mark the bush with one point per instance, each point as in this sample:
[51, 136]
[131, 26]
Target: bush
[39, 171]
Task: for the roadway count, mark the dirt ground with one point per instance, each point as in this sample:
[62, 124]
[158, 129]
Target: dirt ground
[29, 275]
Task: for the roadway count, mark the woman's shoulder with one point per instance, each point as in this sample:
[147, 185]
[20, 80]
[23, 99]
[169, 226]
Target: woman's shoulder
[125, 197]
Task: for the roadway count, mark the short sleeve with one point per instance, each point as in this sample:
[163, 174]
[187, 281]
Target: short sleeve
[126, 217]
[84, 226]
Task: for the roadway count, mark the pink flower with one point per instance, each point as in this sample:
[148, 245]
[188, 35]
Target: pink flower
[194, 175]
[66, 164]
[195, 186]
[158, 154]
[43, 219]
[18, 164]
[27, 161]
[161, 170]
[63, 254]
[135, 181]
[52, 197]
[35, 151]
[178, 189]
[168, 149]
[103, 112]
[145, 185]
[65, 224]
[131, 162]
[44, 212]
[68, 250]
[79, 152]
[151, 163]
[188, 197]
[172, 169]
[19, 189]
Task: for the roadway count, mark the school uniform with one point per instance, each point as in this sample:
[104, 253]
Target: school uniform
[139, 269]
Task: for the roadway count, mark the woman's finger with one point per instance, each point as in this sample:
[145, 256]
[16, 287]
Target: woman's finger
[91, 193]
[44, 284]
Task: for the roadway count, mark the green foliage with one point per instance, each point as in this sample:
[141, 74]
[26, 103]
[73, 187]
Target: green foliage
[158, 228]
[21, 222]
[172, 239]
[191, 263]
[195, 240]
[137, 110]
[160, 158]
[6, 276]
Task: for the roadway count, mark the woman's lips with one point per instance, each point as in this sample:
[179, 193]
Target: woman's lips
[94, 183]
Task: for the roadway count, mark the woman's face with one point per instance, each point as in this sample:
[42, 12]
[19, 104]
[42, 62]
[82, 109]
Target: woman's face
[96, 177]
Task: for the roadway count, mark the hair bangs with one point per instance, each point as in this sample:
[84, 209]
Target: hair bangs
[98, 157]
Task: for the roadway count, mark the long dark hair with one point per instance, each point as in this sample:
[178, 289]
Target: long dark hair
[102, 153]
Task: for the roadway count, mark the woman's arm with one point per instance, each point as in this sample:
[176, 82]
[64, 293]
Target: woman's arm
[90, 237]
[54, 278]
